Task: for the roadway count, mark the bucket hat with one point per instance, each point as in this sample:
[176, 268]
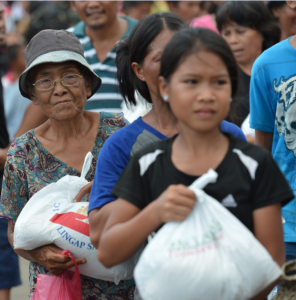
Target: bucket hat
[55, 46]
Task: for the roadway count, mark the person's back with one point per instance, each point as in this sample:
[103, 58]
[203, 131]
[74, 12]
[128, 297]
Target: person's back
[9, 271]
[98, 32]
[273, 108]
[4, 140]
[15, 105]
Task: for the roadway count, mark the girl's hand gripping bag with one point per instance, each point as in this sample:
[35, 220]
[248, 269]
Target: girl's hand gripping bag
[209, 256]
[50, 216]
[66, 286]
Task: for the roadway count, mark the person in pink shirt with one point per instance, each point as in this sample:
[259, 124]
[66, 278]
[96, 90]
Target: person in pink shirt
[208, 20]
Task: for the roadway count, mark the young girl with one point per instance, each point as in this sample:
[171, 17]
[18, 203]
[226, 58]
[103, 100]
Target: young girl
[138, 64]
[198, 77]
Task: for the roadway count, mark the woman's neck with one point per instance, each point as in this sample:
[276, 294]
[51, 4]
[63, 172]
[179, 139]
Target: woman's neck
[65, 130]
[161, 118]
[247, 67]
[285, 33]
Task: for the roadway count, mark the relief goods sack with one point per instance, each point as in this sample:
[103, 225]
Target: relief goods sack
[66, 286]
[209, 256]
[51, 217]
[287, 285]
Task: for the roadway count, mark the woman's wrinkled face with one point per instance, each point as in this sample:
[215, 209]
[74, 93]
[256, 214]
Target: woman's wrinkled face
[150, 67]
[61, 102]
[245, 42]
[199, 91]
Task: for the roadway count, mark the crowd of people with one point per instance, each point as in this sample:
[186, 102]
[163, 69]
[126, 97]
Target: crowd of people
[159, 93]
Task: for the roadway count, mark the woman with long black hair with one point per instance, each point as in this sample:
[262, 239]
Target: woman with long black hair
[249, 29]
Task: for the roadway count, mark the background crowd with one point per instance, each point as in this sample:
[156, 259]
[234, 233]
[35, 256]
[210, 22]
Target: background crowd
[249, 30]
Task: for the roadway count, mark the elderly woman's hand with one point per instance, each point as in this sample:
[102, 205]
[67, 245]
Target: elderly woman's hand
[50, 258]
[84, 191]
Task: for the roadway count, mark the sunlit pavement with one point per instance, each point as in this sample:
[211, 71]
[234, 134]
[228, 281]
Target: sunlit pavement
[21, 292]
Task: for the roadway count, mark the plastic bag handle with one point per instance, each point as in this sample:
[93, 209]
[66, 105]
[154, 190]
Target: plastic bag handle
[68, 254]
[86, 164]
[200, 183]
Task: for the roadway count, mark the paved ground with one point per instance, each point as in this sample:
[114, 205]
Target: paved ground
[21, 292]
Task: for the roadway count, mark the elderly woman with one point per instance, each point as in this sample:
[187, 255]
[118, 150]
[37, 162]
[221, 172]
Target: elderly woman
[60, 81]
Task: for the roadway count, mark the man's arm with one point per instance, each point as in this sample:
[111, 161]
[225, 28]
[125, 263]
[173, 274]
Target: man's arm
[264, 139]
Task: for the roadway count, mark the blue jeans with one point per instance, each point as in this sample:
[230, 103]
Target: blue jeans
[290, 251]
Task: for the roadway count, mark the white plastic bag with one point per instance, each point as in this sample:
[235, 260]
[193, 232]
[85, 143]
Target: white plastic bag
[51, 217]
[209, 256]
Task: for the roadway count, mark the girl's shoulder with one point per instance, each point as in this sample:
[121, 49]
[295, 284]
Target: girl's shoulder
[254, 151]
[125, 139]
[257, 160]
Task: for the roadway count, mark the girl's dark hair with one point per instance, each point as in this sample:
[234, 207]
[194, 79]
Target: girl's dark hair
[135, 47]
[253, 14]
[193, 40]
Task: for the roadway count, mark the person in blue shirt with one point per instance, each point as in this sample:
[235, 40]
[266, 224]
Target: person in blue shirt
[138, 63]
[273, 111]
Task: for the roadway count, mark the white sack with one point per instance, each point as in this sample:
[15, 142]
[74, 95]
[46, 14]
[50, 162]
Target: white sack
[209, 256]
[51, 217]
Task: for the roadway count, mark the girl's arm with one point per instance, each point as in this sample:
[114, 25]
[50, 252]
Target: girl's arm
[268, 229]
[126, 230]
[97, 220]
[128, 227]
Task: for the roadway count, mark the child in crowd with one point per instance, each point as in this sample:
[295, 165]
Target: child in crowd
[138, 65]
[198, 77]
[136, 9]
[208, 20]
[186, 10]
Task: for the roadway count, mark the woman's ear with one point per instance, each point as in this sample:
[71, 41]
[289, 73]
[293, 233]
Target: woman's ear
[138, 71]
[292, 4]
[163, 86]
[32, 96]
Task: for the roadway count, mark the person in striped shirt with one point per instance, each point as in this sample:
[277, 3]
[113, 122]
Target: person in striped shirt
[98, 32]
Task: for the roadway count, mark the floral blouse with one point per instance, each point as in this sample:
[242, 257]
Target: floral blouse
[30, 167]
